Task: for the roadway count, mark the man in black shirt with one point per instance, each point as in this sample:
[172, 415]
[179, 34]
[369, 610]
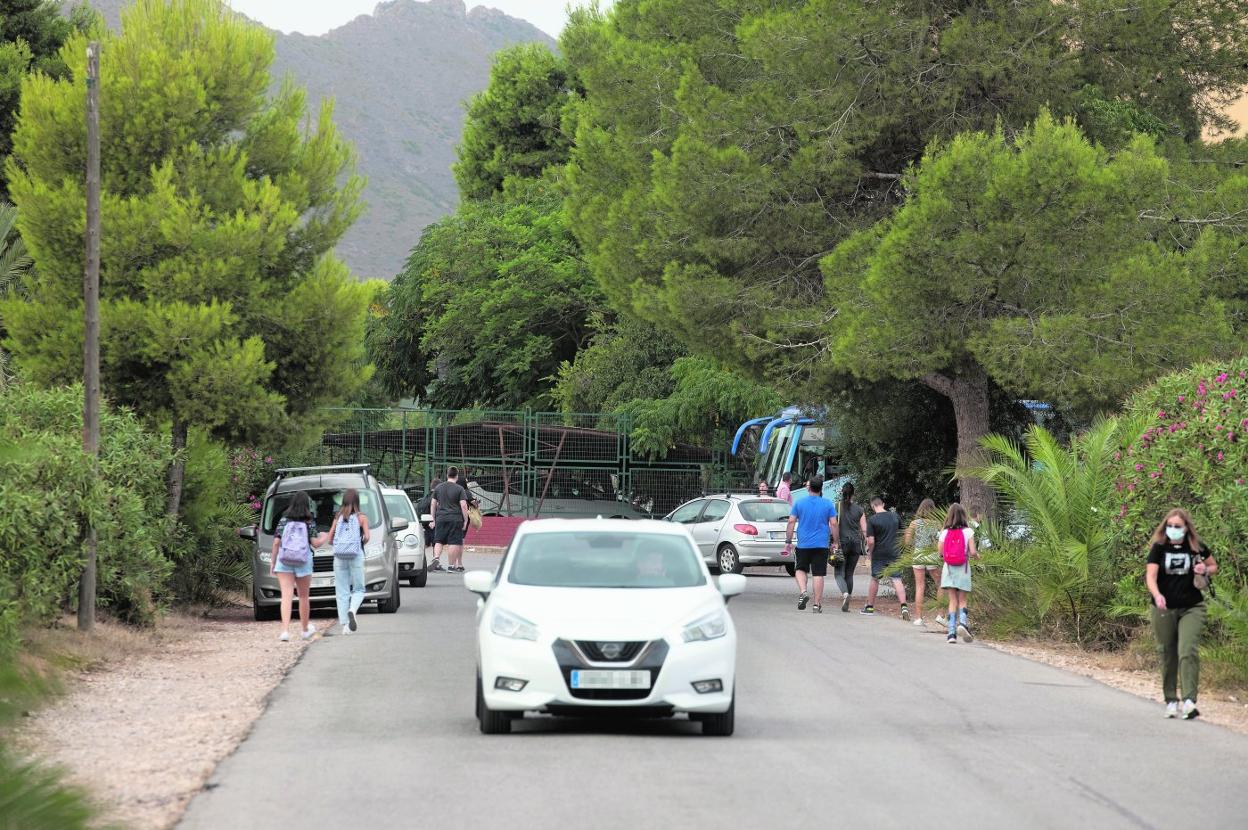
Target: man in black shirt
[450, 521]
[882, 550]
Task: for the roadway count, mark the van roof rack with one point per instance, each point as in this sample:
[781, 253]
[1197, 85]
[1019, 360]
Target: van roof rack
[332, 468]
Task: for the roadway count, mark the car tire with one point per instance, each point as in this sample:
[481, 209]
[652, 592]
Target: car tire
[790, 568]
[421, 579]
[491, 722]
[721, 725]
[264, 613]
[728, 560]
[390, 604]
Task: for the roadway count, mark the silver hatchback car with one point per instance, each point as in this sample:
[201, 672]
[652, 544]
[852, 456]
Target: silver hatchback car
[733, 532]
[325, 486]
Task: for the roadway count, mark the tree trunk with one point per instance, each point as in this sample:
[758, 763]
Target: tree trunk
[968, 391]
[177, 470]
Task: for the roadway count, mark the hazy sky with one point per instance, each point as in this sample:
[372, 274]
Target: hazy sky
[315, 17]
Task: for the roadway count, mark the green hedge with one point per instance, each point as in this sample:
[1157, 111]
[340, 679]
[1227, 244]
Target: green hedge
[47, 495]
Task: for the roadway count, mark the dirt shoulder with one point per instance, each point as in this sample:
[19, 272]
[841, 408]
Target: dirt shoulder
[143, 725]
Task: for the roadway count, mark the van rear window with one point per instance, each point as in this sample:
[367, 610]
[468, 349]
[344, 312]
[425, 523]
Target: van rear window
[325, 503]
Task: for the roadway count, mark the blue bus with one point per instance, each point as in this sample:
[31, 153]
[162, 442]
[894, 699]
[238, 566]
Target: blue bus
[792, 441]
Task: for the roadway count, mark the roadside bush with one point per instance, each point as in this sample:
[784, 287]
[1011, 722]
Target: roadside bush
[1190, 450]
[1056, 574]
[219, 497]
[47, 496]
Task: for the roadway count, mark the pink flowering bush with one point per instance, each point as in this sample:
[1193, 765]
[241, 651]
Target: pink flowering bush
[1189, 449]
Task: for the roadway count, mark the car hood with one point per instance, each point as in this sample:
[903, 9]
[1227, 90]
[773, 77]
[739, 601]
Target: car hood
[608, 613]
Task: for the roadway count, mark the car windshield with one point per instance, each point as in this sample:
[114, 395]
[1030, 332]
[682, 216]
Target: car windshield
[400, 508]
[325, 503]
[605, 559]
[765, 510]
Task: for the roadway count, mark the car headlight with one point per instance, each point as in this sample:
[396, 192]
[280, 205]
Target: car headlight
[506, 624]
[266, 556]
[374, 552]
[411, 540]
[711, 627]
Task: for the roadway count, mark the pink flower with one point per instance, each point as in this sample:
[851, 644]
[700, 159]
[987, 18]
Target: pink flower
[1162, 414]
[1220, 378]
[1239, 481]
[1139, 468]
[1218, 428]
[1122, 511]
[1219, 456]
[268, 459]
[1182, 398]
[1131, 487]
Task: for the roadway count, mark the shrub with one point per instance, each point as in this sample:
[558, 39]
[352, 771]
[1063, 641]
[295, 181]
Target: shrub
[1057, 573]
[47, 495]
[1190, 451]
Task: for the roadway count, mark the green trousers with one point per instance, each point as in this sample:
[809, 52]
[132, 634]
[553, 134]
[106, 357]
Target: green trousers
[1178, 641]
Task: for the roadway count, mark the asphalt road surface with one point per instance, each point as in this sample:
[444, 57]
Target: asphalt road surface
[857, 721]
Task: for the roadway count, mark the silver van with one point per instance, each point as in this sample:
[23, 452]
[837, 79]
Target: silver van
[325, 486]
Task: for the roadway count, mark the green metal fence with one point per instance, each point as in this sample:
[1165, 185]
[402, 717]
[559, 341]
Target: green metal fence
[529, 463]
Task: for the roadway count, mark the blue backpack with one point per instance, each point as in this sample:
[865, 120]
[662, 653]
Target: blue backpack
[347, 538]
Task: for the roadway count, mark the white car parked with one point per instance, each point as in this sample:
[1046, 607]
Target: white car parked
[604, 615]
[413, 565]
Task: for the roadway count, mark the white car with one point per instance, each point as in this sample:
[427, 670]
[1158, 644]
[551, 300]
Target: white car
[604, 615]
[412, 563]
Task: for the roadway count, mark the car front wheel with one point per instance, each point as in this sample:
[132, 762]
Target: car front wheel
[390, 604]
[491, 722]
[729, 560]
[721, 725]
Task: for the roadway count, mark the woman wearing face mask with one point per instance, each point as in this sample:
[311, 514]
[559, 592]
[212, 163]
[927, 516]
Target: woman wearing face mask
[1178, 564]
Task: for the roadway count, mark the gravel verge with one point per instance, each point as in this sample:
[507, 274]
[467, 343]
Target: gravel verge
[143, 731]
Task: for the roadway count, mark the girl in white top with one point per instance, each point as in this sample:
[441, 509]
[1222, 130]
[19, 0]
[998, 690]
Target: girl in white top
[956, 574]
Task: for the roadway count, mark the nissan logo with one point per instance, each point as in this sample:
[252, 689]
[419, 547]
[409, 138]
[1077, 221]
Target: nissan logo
[612, 651]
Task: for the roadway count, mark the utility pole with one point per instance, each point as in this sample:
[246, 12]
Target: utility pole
[91, 304]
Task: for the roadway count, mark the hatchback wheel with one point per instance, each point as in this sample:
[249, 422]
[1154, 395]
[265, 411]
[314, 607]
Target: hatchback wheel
[491, 722]
[420, 579]
[390, 604]
[721, 725]
[729, 560]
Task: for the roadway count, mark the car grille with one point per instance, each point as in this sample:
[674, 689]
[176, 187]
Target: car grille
[321, 592]
[646, 659]
[593, 650]
[322, 564]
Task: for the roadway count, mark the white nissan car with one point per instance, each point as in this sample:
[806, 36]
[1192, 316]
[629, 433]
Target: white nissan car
[604, 615]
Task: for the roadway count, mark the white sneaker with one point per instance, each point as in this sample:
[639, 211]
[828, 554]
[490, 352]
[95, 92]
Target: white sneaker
[284, 636]
[346, 630]
[918, 621]
[940, 619]
[1189, 710]
[1172, 709]
[307, 634]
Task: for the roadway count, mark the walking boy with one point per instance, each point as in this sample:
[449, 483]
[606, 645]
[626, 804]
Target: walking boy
[882, 550]
[450, 521]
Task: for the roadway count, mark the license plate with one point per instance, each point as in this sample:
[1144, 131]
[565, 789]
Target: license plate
[595, 679]
[322, 581]
[777, 534]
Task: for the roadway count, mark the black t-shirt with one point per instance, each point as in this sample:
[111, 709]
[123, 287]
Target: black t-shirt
[851, 516]
[1175, 574]
[883, 526]
[448, 495]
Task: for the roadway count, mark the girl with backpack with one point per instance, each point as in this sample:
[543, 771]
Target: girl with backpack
[957, 546]
[350, 534]
[291, 561]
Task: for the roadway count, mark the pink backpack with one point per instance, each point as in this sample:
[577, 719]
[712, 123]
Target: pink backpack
[953, 549]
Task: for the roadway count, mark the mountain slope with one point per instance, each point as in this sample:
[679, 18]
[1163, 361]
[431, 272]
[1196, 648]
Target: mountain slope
[400, 78]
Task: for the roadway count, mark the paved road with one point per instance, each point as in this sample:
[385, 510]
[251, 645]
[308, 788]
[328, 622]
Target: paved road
[865, 722]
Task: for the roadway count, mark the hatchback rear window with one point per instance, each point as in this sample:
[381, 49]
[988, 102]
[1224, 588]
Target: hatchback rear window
[325, 503]
[769, 510]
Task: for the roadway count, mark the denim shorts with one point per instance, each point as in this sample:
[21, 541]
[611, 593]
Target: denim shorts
[299, 571]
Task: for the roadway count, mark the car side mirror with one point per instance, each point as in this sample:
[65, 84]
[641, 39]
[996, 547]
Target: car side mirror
[731, 585]
[479, 582]
[398, 524]
[426, 518]
[248, 532]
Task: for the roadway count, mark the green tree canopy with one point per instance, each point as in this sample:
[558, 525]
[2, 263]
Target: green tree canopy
[492, 301]
[514, 127]
[1025, 262]
[221, 303]
[724, 146]
[32, 33]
